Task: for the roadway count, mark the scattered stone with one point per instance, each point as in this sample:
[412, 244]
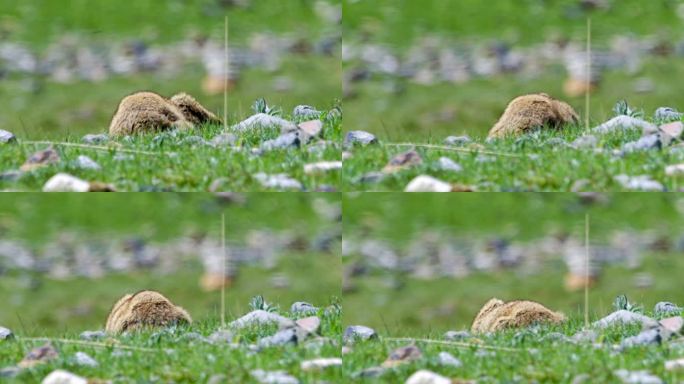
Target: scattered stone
[302, 112]
[587, 335]
[7, 137]
[402, 355]
[284, 141]
[624, 317]
[261, 317]
[457, 335]
[63, 182]
[403, 161]
[302, 307]
[371, 372]
[223, 140]
[309, 324]
[667, 114]
[359, 137]
[672, 324]
[39, 355]
[446, 164]
[673, 130]
[586, 141]
[93, 335]
[427, 377]
[674, 170]
[282, 337]
[624, 122]
[263, 120]
[646, 337]
[221, 337]
[666, 308]
[322, 167]
[40, 159]
[639, 183]
[95, 139]
[311, 129]
[273, 377]
[372, 178]
[637, 377]
[9, 371]
[424, 183]
[6, 334]
[358, 332]
[193, 141]
[458, 141]
[320, 364]
[556, 336]
[643, 144]
[63, 377]
[674, 365]
[446, 358]
[82, 358]
[279, 181]
[11, 176]
[85, 162]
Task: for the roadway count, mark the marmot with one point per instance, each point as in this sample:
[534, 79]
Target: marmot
[497, 315]
[143, 310]
[147, 112]
[529, 112]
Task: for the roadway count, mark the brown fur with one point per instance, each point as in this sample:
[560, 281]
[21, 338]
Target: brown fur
[148, 112]
[497, 315]
[144, 309]
[529, 112]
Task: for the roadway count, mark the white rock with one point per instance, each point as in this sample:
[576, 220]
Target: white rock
[624, 317]
[624, 122]
[673, 365]
[317, 364]
[426, 183]
[639, 183]
[446, 164]
[279, 181]
[85, 162]
[63, 377]
[427, 377]
[273, 377]
[322, 167]
[263, 120]
[446, 358]
[674, 170]
[63, 182]
[637, 377]
[261, 317]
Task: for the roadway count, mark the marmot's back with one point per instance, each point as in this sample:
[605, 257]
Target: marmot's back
[497, 315]
[142, 310]
[528, 112]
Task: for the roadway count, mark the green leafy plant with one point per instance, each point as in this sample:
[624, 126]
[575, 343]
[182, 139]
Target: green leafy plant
[622, 108]
[260, 106]
[621, 303]
[259, 303]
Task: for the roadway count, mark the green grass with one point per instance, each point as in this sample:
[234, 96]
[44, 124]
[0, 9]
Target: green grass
[532, 360]
[168, 164]
[168, 357]
[399, 23]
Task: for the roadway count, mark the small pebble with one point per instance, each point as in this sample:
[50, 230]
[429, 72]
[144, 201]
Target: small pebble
[358, 332]
[7, 137]
[359, 137]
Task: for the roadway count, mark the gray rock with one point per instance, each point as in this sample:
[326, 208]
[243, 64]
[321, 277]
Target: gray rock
[261, 317]
[284, 141]
[11, 176]
[637, 377]
[83, 359]
[666, 308]
[371, 372]
[622, 122]
[224, 140]
[556, 336]
[359, 137]
[667, 114]
[273, 377]
[7, 137]
[643, 144]
[282, 337]
[358, 332]
[193, 141]
[647, 337]
[263, 120]
[586, 141]
[9, 371]
[309, 325]
[457, 335]
[639, 183]
[446, 164]
[301, 307]
[220, 337]
[624, 317]
[446, 358]
[458, 141]
[556, 142]
[305, 112]
[372, 178]
[95, 139]
[93, 335]
[85, 162]
[6, 334]
[585, 336]
[279, 181]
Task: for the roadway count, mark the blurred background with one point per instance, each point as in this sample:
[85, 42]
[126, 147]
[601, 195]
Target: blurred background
[65, 66]
[65, 260]
[428, 69]
[415, 265]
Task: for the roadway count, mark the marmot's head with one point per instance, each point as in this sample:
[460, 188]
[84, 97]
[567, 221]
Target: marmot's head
[144, 309]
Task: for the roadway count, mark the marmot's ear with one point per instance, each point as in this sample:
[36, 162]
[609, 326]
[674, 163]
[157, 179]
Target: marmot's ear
[492, 303]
